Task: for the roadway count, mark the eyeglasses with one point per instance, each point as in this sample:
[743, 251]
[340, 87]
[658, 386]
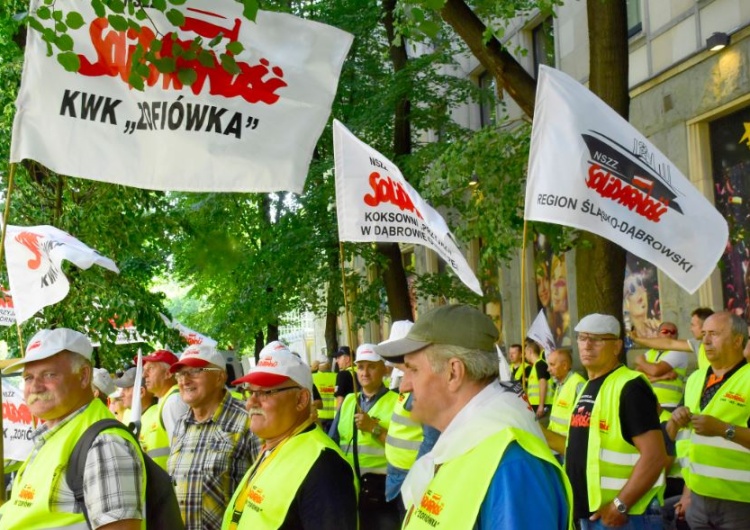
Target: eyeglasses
[192, 373]
[263, 395]
[595, 341]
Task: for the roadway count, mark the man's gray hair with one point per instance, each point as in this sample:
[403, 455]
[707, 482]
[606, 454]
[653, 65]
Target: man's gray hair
[77, 361]
[480, 365]
[739, 327]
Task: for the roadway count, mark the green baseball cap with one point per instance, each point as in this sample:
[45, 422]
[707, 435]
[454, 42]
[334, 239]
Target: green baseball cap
[458, 325]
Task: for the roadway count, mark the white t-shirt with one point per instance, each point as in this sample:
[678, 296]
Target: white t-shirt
[675, 359]
[173, 410]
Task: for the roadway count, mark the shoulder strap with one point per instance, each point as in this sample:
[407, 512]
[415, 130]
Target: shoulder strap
[355, 453]
[77, 462]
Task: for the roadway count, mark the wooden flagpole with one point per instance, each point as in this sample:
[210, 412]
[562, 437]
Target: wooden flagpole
[523, 306]
[348, 320]
[6, 214]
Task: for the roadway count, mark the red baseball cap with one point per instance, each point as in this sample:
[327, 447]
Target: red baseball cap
[159, 356]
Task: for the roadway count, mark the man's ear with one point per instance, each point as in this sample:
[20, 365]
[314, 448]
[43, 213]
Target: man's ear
[456, 371]
[86, 371]
[303, 400]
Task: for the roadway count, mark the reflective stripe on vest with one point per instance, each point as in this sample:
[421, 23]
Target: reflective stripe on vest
[154, 437]
[28, 507]
[712, 465]
[325, 382]
[533, 388]
[451, 502]
[274, 488]
[610, 459]
[371, 452]
[668, 393]
[404, 436]
[566, 394]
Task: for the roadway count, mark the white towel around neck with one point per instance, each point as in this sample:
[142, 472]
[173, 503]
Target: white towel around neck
[491, 410]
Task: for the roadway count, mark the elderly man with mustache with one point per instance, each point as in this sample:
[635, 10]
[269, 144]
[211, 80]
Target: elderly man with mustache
[57, 375]
[301, 480]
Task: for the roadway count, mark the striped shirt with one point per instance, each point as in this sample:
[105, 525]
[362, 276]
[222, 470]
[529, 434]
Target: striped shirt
[208, 460]
[111, 478]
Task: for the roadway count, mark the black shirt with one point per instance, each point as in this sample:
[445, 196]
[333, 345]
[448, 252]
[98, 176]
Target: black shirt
[344, 383]
[326, 500]
[542, 372]
[638, 415]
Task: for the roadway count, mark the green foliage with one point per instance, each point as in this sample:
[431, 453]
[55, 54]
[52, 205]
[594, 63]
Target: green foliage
[55, 22]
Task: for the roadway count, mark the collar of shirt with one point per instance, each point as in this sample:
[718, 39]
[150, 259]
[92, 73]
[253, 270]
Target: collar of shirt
[366, 402]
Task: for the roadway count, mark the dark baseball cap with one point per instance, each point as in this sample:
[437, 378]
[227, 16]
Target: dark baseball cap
[457, 325]
[343, 350]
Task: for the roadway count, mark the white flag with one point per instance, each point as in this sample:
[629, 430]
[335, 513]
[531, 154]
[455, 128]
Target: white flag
[34, 255]
[540, 332]
[192, 337]
[17, 424]
[375, 203]
[7, 312]
[252, 132]
[505, 373]
[590, 169]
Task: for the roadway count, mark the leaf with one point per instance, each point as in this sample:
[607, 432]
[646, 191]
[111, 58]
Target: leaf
[36, 25]
[57, 15]
[417, 14]
[177, 2]
[229, 64]
[155, 45]
[135, 81]
[213, 42]
[187, 76]
[43, 13]
[250, 9]
[98, 8]
[430, 28]
[235, 48]
[434, 4]
[74, 20]
[69, 61]
[118, 6]
[143, 70]
[176, 17]
[159, 5]
[64, 42]
[165, 65]
[60, 27]
[118, 22]
[206, 58]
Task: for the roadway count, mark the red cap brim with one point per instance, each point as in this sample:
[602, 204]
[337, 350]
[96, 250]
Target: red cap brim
[189, 362]
[262, 379]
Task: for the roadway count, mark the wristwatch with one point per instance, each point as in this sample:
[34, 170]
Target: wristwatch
[729, 433]
[621, 506]
[377, 431]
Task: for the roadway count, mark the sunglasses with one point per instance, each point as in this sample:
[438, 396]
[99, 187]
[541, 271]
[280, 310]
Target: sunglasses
[633, 284]
[668, 331]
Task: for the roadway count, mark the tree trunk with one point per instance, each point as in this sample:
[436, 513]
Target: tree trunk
[508, 73]
[600, 265]
[331, 336]
[393, 274]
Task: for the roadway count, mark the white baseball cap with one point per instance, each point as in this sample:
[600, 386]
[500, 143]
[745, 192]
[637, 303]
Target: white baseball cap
[276, 364]
[399, 330]
[599, 324]
[103, 381]
[199, 356]
[366, 352]
[49, 342]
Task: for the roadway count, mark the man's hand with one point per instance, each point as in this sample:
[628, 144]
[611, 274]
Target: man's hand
[708, 425]
[364, 422]
[540, 411]
[610, 516]
[680, 419]
[681, 507]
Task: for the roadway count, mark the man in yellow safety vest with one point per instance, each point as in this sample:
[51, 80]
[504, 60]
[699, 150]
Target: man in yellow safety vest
[490, 443]
[301, 479]
[713, 430]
